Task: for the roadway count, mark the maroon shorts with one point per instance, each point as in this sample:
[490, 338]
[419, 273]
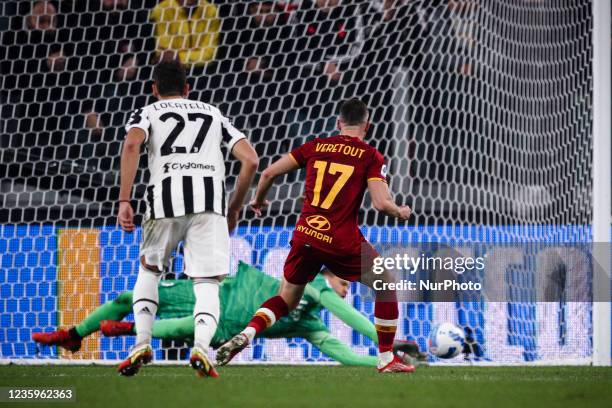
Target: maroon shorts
[304, 262]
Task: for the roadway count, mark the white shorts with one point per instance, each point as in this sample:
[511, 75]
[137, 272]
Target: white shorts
[205, 243]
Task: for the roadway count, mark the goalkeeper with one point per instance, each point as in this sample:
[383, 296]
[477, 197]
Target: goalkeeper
[240, 297]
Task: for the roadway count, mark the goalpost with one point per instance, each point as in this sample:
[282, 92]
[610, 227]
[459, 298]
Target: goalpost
[494, 118]
[602, 177]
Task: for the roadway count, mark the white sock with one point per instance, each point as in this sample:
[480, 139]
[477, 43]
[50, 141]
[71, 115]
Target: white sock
[250, 333]
[206, 311]
[384, 358]
[144, 304]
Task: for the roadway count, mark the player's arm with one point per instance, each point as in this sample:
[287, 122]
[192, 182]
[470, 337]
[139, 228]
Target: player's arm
[348, 314]
[282, 166]
[243, 152]
[376, 173]
[339, 351]
[180, 328]
[383, 202]
[130, 155]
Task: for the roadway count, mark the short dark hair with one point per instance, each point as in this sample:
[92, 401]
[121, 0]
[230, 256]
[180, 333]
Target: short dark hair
[353, 112]
[170, 77]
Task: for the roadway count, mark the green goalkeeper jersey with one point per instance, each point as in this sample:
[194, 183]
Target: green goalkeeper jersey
[240, 297]
[243, 294]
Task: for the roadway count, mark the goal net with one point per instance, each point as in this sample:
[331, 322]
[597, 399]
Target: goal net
[483, 110]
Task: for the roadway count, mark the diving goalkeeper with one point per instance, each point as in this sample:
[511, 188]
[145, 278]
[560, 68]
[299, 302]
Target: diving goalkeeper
[240, 296]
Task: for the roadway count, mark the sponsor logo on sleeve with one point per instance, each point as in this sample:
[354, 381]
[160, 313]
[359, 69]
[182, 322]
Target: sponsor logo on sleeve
[383, 171]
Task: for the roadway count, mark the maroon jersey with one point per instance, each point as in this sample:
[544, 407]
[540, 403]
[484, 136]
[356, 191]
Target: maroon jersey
[337, 172]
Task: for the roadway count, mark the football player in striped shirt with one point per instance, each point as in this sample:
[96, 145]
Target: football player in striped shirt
[185, 202]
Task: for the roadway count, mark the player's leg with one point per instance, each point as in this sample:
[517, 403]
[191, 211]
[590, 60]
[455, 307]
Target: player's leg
[159, 238]
[268, 313]
[207, 263]
[115, 310]
[206, 314]
[174, 300]
[70, 339]
[359, 267]
[301, 266]
[275, 308]
[179, 328]
[144, 306]
[385, 316]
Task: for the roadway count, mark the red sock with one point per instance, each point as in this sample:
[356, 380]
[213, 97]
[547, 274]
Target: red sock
[385, 320]
[269, 312]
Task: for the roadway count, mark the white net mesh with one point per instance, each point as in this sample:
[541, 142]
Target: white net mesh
[482, 109]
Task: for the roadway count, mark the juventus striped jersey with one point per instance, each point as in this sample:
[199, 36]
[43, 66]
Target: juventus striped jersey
[186, 165]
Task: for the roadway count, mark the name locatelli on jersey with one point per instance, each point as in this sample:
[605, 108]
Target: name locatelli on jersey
[180, 105]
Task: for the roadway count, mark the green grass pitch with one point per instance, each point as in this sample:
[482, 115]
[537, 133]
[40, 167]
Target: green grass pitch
[329, 386]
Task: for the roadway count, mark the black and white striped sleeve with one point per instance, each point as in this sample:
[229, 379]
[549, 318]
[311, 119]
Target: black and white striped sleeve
[230, 134]
[139, 119]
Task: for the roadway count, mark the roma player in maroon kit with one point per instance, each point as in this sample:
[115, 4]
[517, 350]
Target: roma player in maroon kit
[338, 171]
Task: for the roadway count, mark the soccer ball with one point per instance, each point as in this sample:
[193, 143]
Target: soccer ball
[446, 340]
